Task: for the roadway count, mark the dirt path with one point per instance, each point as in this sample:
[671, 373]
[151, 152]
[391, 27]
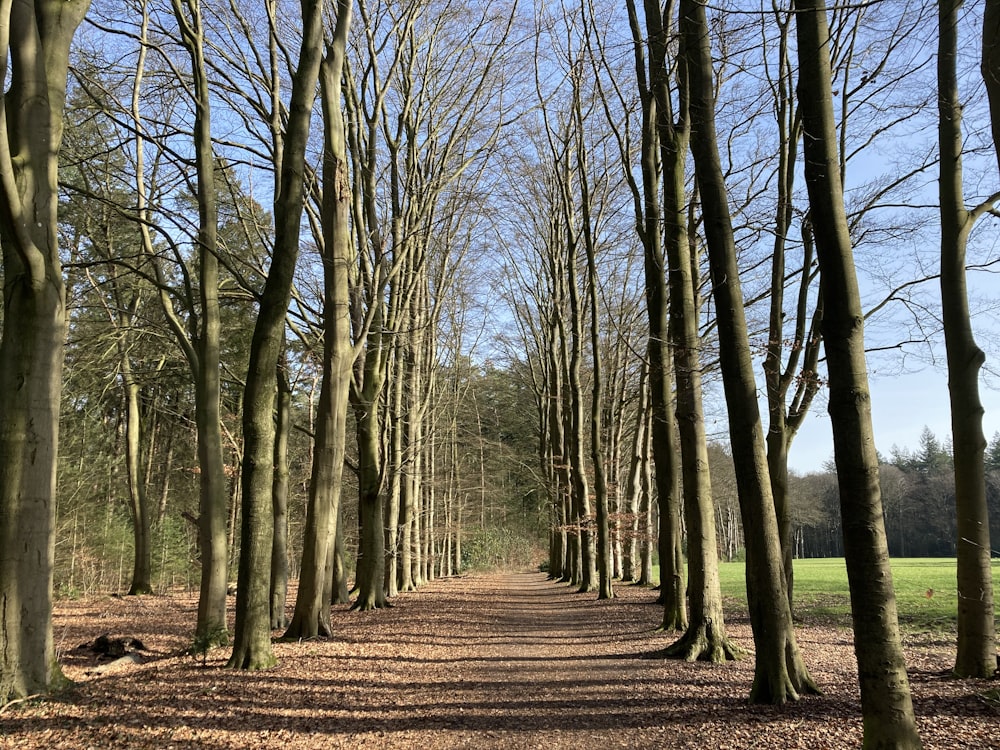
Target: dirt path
[504, 661]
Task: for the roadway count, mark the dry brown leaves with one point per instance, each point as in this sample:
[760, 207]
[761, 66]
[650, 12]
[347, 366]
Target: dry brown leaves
[504, 661]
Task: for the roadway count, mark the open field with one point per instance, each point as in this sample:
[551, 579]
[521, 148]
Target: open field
[926, 590]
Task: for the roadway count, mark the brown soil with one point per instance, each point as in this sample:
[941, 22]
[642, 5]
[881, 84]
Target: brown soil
[491, 661]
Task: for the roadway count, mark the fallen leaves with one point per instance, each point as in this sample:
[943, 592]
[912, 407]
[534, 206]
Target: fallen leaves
[501, 661]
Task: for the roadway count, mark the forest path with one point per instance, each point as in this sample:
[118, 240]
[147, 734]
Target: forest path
[506, 660]
[550, 658]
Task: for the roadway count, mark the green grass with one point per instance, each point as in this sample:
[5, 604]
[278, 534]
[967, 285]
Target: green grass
[821, 592]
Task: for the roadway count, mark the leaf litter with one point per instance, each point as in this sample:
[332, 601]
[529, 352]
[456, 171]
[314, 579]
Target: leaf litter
[505, 660]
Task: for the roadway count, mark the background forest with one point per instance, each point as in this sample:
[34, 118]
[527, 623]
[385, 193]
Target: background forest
[359, 294]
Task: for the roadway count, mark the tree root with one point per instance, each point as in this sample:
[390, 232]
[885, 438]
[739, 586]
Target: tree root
[701, 642]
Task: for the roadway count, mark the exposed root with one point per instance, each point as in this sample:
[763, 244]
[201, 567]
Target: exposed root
[702, 642]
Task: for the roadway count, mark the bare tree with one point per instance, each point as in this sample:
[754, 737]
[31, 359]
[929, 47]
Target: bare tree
[780, 674]
[203, 350]
[976, 652]
[34, 55]
[991, 66]
[252, 637]
[885, 695]
[315, 593]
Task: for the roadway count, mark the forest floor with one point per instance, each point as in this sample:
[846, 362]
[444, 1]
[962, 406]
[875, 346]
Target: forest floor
[481, 661]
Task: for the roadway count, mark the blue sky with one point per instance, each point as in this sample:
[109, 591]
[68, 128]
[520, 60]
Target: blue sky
[902, 405]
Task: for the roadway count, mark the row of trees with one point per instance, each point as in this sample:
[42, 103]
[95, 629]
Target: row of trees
[175, 139]
[630, 181]
[715, 187]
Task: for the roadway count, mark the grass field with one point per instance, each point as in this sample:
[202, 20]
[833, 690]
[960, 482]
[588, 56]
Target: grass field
[926, 592]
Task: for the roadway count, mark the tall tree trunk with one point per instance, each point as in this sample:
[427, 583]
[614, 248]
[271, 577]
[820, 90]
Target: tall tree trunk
[991, 67]
[341, 591]
[602, 559]
[203, 349]
[316, 587]
[279, 501]
[142, 567]
[34, 54]
[587, 569]
[371, 500]
[803, 346]
[977, 648]
[780, 674]
[646, 513]
[648, 224]
[886, 706]
[252, 637]
[564, 537]
[633, 491]
[395, 424]
[415, 407]
[705, 638]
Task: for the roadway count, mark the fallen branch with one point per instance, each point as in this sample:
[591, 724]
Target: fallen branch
[16, 701]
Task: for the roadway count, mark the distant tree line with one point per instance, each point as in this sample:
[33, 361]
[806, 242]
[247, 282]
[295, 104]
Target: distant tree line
[918, 498]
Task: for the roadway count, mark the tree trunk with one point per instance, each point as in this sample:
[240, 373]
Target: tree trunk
[279, 502]
[885, 695]
[705, 638]
[977, 649]
[123, 318]
[559, 472]
[780, 674]
[203, 350]
[799, 367]
[142, 566]
[252, 638]
[340, 593]
[630, 553]
[648, 224]
[371, 503]
[311, 617]
[991, 66]
[602, 559]
[646, 513]
[395, 426]
[586, 571]
[34, 53]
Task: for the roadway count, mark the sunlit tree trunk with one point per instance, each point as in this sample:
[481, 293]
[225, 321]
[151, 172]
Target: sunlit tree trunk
[886, 706]
[633, 490]
[646, 513]
[799, 365]
[316, 584]
[371, 498]
[252, 637]
[705, 638]
[977, 648]
[601, 553]
[142, 567]
[34, 54]
[780, 674]
[279, 501]
[396, 420]
[648, 224]
[202, 349]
